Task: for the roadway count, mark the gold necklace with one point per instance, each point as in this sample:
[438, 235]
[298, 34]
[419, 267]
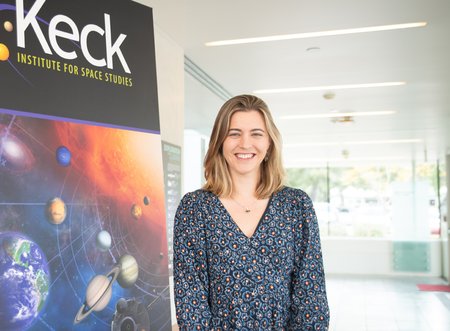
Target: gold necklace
[246, 209]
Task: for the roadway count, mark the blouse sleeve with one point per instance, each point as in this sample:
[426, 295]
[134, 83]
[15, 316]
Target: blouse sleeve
[190, 267]
[309, 309]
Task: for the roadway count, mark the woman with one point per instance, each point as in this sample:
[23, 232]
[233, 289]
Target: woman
[247, 250]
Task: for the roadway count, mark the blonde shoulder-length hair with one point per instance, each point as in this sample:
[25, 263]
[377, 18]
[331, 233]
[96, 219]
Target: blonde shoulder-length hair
[218, 177]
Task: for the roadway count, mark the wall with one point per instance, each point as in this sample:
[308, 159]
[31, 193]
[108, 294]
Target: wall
[371, 257]
[170, 77]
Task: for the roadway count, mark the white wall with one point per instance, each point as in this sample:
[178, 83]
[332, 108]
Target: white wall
[170, 75]
[193, 155]
[350, 256]
[170, 79]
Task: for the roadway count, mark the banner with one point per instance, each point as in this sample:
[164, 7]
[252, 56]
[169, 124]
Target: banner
[83, 241]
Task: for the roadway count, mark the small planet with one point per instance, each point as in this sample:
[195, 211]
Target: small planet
[63, 156]
[136, 211]
[129, 271]
[98, 294]
[146, 201]
[56, 211]
[8, 26]
[103, 240]
[4, 52]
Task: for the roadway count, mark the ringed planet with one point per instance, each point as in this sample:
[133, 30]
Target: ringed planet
[98, 294]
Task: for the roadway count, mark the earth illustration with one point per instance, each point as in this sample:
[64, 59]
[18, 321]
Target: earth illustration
[24, 281]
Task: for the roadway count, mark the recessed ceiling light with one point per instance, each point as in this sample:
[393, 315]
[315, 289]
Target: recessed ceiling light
[337, 114]
[328, 87]
[313, 49]
[364, 142]
[316, 34]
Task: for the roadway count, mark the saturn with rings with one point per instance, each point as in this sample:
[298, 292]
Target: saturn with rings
[99, 289]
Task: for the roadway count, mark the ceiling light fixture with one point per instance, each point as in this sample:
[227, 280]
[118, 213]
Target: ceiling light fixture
[363, 142]
[328, 87]
[332, 115]
[295, 163]
[316, 34]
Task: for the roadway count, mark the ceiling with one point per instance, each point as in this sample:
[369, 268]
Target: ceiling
[420, 57]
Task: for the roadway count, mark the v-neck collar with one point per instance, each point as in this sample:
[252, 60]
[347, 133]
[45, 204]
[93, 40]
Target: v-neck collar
[221, 205]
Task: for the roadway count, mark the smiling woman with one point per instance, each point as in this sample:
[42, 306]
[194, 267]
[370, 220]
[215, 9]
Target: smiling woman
[246, 144]
[247, 252]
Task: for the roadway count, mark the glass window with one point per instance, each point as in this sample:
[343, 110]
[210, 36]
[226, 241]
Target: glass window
[396, 201]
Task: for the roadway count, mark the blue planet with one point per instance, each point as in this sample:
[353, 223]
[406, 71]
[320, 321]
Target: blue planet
[63, 156]
[24, 281]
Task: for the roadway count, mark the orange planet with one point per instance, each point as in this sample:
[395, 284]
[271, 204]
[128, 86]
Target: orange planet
[4, 52]
[136, 211]
[56, 211]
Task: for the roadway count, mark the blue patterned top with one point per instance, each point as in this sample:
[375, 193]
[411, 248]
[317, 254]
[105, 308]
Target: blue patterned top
[273, 280]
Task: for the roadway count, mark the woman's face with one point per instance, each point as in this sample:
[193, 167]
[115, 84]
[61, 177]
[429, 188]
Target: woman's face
[247, 142]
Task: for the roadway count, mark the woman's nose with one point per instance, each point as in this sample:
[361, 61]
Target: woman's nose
[245, 141]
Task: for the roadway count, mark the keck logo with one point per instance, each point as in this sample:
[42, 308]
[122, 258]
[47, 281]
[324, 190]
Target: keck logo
[55, 35]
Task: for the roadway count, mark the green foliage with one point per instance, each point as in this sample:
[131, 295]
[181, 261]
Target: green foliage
[312, 180]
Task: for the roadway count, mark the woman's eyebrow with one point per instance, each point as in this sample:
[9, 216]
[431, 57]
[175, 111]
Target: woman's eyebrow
[252, 130]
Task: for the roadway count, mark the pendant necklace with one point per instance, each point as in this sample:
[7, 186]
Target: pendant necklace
[246, 209]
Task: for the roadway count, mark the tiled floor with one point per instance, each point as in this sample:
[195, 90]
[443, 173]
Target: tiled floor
[359, 303]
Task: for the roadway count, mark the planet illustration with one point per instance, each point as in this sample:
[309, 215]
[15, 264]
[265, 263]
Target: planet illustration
[136, 211]
[103, 240]
[129, 271]
[146, 201]
[8, 26]
[56, 211]
[98, 294]
[4, 52]
[63, 156]
[24, 281]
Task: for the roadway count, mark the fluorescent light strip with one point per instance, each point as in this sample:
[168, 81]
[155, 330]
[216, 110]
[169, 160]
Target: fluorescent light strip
[316, 34]
[333, 115]
[337, 160]
[328, 87]
[366, 142]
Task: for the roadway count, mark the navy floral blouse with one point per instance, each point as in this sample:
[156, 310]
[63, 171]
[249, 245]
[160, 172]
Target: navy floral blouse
[273, 280]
